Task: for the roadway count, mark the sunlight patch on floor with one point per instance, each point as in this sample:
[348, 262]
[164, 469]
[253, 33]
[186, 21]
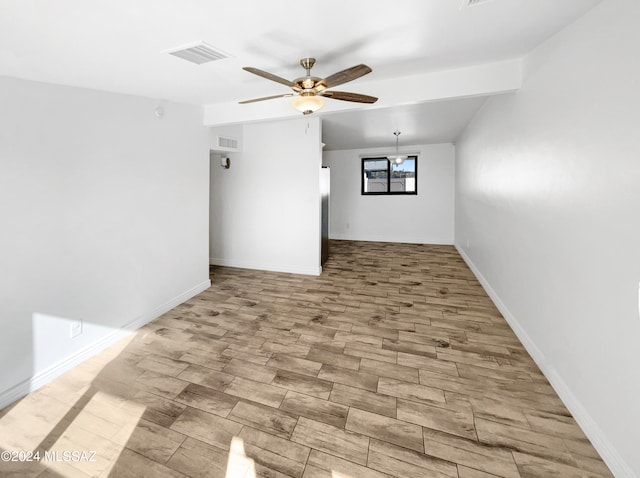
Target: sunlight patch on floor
[68, 426]
[104, 426]
[239, 465]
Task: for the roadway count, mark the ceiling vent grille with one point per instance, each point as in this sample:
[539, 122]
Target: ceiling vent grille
[473, 3]
[198, 53]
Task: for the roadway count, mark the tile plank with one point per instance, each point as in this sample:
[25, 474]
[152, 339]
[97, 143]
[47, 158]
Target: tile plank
[329, 439]
[409, 391]
[294, 364]
[274, 453]
[315, 408]
[205, 376]
[385, 369]
[386, 429]
[364, 400]
[270, 420]
[492, 460]
[207, 399]
[399, 461]
[251, 371]
[535, 467]
[325, 356]
[527, 441]
[324, 465]
[206, 427]
[349, 377]
[199, 460]
[154, 441]
[302, 383]
[451, 419]
[256, 391]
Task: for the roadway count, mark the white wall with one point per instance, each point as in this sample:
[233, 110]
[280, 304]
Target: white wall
[425, 218]
[103, 218]
[265, 209]
[548, 214]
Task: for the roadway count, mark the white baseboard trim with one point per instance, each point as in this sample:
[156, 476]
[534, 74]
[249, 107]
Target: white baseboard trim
[33, 383]
[310, 271]
[401, 240]
[609, 454]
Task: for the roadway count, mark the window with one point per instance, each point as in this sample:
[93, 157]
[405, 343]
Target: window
[381, 176]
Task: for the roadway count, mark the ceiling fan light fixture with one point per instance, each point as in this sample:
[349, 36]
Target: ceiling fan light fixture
[307, 104]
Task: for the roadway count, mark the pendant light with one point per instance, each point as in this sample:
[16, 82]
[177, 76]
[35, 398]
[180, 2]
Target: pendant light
[397, 158]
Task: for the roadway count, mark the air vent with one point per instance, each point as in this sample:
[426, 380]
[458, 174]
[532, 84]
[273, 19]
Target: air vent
[227, 142]
[473, 3]
[198, 53]
[224, 143]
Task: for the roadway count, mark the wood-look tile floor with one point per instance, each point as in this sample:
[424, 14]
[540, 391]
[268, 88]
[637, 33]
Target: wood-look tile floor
[392, 363]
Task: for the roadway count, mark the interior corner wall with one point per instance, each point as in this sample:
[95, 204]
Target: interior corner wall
[425, 218]
[265, 209]
[103, 219]
[547, 215]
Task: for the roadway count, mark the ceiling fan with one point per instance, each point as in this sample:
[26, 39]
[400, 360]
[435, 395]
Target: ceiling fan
[309, 91]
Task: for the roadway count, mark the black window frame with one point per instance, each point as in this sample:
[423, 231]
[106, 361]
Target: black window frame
[388, 192]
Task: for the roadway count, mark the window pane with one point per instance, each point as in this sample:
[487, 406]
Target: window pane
[403, 176]
[381, 176]
[375, 176]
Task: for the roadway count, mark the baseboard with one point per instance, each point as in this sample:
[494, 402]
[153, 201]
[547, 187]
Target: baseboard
[607, 451]
[401, 240]
[33, 383]
[292, 269]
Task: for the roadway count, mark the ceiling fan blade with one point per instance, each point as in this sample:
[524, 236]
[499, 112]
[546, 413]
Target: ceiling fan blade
[346, 96]
[264, 98]
[344, 76]
[268, 76]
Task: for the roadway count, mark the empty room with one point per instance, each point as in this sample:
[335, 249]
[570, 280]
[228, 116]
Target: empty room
[344, 240]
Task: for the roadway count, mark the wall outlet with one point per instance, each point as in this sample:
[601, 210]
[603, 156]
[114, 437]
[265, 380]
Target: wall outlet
[468, 243]
[76, 328]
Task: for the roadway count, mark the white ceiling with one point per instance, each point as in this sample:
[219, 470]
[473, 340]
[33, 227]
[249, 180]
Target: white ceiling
[424, 123]
[121, 46]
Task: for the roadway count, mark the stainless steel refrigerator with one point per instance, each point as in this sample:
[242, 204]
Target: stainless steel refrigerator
[325, 188]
